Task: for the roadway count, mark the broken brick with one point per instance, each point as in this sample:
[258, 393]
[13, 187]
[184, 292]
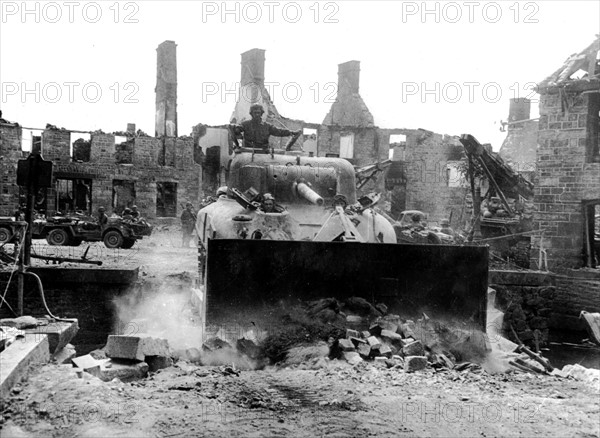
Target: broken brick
[414, 349]
[373, 342]
[385, 350]
[357, 341]
[364, 350]
[365, 334]
[414, 363]
[156, 363]
[346, 345]
[352, 333]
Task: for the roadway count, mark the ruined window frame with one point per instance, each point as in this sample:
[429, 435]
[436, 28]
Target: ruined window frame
[591, 228]
[593, 128]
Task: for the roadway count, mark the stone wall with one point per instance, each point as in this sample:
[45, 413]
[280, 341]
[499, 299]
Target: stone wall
[565, 178]
[427, 188]
[10, 153]
[136, 160]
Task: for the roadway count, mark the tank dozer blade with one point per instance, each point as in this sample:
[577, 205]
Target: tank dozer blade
[252, 281]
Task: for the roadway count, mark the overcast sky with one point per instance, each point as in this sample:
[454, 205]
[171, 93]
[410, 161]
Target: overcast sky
[449, 67]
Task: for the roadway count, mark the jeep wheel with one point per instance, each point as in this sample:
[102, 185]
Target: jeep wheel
[5, 235]
[128, 243]
[58, 237]
[113, 239]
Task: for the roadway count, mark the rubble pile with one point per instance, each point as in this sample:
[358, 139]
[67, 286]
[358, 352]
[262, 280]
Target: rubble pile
[526, 312]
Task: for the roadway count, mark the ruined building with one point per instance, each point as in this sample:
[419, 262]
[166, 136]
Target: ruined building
[567, 185]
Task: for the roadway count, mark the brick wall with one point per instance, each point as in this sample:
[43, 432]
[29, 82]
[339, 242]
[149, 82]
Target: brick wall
[564, 179]
[56, 145]
[10, 153]
[135, 160]
[427, 189]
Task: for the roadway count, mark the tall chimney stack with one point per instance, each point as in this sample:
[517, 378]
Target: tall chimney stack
[253, 67]
[348, 77]
[520, 109]
[165, 120]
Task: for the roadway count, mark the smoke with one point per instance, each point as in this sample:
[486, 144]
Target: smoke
[164, 313]
[168, 313]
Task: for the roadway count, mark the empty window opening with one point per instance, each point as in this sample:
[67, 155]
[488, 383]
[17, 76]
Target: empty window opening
[166, 199]
[347, 146]
[123, 150]
[72, 195]
[123, 195]
[82, 148]
[397, 147]
[591, 241]
[310, 141]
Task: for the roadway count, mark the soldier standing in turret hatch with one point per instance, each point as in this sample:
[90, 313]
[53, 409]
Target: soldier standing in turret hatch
[256, 132]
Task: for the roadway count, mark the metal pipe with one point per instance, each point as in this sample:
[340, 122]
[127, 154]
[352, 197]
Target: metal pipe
[309, 194]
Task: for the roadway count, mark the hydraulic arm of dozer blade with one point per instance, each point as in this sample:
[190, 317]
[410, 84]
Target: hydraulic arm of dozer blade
[338, 227]
[367, 173]
[495, 168]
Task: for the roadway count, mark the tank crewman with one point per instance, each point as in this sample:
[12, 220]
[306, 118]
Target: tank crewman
[257, 133]
[445, 227]
[222, 192]
[102, 217]
[268, 204]
[188, 222]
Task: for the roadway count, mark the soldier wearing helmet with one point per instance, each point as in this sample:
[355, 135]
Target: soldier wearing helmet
[188, 222]
[135, 212]
[445, 227]
[256, 132]
[102, 217]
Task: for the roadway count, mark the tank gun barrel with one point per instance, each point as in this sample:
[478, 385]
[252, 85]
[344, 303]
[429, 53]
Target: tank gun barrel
[309, 194]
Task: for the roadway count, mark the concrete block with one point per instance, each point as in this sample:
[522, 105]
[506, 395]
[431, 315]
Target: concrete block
[16, 358]
[380, 360]
[352, 357]
[59, 333]
[414, 363]
[126, 371]
[88, 364]
[136, 347]
[346, 345]
[354, 319]
[414, 349]
[64, 355]
[365, 334]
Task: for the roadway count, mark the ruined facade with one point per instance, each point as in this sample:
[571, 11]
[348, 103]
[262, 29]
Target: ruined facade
[156, 174]
[567, 185]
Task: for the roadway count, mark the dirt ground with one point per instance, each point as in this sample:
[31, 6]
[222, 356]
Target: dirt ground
[319, 397]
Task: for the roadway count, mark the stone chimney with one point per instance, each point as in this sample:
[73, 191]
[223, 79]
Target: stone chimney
[349, 77]
[520, 109]
[253, 67]
[349, 109]
[166, 90]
